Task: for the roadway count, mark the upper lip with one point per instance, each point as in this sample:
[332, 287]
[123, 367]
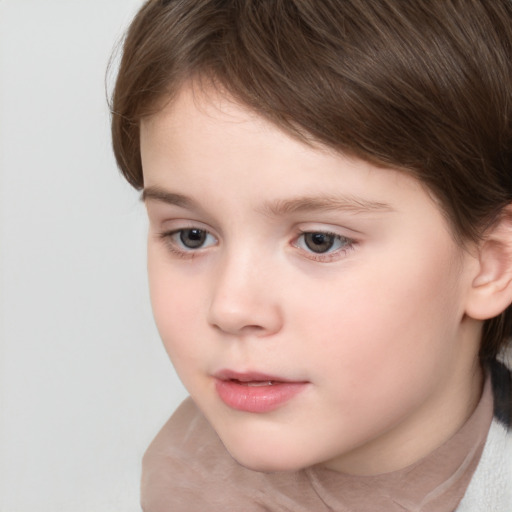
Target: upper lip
[250, 376]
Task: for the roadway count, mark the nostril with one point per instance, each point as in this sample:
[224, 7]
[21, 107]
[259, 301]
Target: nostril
[237, 329]
[253, 328]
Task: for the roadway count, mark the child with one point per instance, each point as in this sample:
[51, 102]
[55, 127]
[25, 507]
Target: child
[329, 189]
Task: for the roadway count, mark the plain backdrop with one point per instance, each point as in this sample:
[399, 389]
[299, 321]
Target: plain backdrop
[84, 381]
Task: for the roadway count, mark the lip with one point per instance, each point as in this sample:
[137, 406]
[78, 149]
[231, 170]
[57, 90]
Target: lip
[254, 391]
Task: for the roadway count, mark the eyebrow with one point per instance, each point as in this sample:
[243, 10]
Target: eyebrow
[281, 207]
[164, 196]
[306, 204]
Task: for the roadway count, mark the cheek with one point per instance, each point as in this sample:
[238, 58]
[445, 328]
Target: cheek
[176, 317]
[386, 324]
[175, 303]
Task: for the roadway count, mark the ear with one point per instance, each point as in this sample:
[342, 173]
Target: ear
[491, 290]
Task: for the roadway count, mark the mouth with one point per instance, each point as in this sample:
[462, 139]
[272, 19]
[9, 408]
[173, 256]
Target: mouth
[257, 383]
[255, 392]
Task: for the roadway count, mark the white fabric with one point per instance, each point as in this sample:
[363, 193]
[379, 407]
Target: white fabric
[490, 489]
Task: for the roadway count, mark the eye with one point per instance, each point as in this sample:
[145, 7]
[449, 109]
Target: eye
[189, 239]
[321, 242]
[193, 238]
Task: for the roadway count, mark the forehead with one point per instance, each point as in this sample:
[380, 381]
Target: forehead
[196, 108]
[203, 144]
[200, 123]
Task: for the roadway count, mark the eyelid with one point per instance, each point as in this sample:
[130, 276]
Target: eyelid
[168, 237]
[329, 256]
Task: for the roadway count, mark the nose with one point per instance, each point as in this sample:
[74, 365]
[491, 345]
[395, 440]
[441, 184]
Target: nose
[244, 299]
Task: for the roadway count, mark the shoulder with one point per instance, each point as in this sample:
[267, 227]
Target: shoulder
[491, 485]
[187, 468]
[170, 460]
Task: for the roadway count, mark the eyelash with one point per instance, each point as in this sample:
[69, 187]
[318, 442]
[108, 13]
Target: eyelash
[168, 237]
[330, 255]
[186, 253]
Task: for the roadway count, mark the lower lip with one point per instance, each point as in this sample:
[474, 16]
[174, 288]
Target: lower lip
[262, 398]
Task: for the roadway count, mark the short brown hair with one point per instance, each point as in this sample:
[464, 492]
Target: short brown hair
[422, 85]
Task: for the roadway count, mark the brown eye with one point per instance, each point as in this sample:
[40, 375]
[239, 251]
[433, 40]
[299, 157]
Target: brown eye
[319, 242]
[193, 238]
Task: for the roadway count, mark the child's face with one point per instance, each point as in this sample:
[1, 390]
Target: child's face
[333, 285]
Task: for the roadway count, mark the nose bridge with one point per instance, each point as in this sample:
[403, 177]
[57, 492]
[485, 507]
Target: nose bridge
[243, 299]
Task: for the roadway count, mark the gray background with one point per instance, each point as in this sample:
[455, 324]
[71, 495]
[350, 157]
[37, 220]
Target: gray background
[84, 381]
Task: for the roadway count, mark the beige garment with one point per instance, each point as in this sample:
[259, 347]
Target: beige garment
[187, 469]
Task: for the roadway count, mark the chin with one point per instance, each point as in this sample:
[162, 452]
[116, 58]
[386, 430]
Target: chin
[266, 466]
[266, 460]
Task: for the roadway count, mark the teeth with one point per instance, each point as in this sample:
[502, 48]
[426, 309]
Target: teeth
[259, 383]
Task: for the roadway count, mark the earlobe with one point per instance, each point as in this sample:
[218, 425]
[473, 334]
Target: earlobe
[491, 290]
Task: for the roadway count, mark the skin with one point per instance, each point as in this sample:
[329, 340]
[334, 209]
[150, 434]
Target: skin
[376, 325]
